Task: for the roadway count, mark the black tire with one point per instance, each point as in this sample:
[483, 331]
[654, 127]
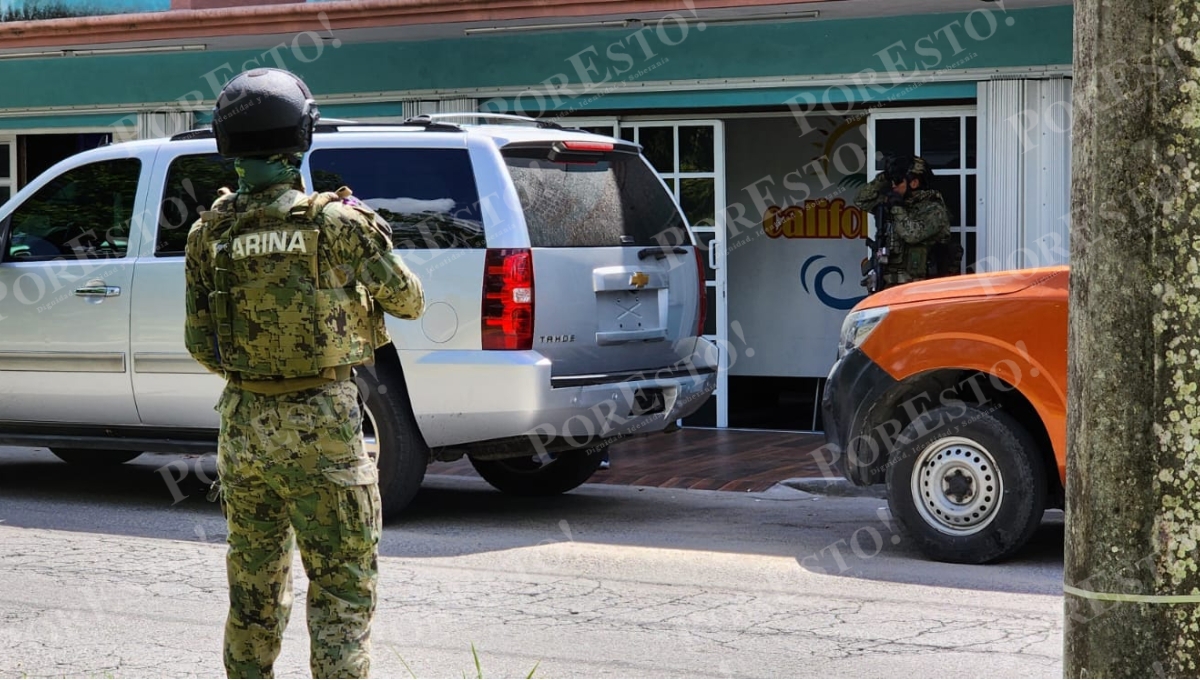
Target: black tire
[529, 476]
[95, 457]
[958, 490]
[403, 456]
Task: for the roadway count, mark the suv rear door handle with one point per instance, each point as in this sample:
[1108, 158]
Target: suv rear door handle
[98, 291]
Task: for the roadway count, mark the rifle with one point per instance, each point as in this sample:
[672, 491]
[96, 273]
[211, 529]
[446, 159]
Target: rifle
[873, 267]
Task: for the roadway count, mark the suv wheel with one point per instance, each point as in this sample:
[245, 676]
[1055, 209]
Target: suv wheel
[968, 487]
[391, 437]
[529, 476]
[94, 457]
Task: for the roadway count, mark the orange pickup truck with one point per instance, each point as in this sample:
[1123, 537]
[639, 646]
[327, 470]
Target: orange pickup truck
[952, 392]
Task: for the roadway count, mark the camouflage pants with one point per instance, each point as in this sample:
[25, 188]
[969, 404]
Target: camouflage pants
[897, 276]
[292, 468]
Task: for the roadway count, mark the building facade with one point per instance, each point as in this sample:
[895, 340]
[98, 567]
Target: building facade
[764, 119]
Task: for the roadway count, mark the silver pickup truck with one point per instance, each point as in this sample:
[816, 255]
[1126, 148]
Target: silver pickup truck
[564, 301]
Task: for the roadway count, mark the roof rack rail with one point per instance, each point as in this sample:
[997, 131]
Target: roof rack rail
[335, 124]
[426, 121]
[500, 116]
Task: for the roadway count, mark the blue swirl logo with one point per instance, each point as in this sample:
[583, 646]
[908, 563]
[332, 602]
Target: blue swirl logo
[819, 285]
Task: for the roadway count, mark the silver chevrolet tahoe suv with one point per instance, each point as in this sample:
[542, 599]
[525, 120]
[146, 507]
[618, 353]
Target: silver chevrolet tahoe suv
[564, 292]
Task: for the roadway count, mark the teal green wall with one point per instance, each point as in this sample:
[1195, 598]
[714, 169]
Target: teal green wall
[65, 121]
[1036, 37]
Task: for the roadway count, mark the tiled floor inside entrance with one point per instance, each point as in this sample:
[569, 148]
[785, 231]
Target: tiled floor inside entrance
[698, 458]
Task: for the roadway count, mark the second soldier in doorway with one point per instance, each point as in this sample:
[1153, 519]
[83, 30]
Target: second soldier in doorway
[918, 240]
[285, 296]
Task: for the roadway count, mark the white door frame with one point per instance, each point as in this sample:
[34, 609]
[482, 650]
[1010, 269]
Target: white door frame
[716, 254]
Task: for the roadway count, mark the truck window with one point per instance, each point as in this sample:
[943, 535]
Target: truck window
[614, 201]
[84, 213]
[429, 196]
[191, 187]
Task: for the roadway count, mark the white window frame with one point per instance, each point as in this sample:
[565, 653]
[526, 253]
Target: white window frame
[11, 181]
[918, 113]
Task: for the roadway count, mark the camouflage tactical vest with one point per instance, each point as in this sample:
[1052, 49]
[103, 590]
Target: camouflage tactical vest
[274, 319]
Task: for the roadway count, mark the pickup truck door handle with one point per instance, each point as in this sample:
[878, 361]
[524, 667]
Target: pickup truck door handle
[98, 291]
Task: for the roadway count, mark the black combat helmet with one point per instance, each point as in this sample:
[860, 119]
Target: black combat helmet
[263, 112]
[903, 168]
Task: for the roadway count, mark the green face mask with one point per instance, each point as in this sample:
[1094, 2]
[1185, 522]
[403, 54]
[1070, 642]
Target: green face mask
[256, 174]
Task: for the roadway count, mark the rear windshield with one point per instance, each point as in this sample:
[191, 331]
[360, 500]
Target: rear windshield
[616, 201]
[427, 195]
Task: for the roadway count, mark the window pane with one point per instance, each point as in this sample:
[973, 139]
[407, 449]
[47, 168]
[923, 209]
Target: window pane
[941, 142]
[972, 241]
[972, 200]
[697, 197]
[627, 134]
[696, 149]
[894, 137]
[972, 141]
[670, 184]
[5, 160]
[192, 184]
[81, 214]
[427, 195]
[606, 130]
[659, 147]
[950, 187]
[614, 201]
[5, 194]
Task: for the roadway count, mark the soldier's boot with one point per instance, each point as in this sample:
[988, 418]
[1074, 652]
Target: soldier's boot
[259, 565]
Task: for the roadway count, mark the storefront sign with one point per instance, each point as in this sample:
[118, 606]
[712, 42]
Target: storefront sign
[816, 219]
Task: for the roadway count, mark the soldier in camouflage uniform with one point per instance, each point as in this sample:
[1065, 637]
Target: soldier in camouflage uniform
[285, 296]
[919, 243]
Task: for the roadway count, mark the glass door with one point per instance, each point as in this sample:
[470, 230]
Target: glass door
[690, 157]
[945, 138]
[8, 167]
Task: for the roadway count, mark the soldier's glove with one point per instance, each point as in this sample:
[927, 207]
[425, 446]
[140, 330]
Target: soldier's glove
[893, 199]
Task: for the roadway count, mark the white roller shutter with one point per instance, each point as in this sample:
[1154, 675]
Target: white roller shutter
[1025, 173]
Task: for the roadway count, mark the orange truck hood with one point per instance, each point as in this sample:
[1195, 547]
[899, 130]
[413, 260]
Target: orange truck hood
[971, 285]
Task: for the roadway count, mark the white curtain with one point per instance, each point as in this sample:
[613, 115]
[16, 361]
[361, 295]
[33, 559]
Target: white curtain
[417, 108]
[151, 125]
[1025, 173]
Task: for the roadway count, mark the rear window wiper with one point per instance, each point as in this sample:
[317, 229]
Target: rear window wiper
[659, 252]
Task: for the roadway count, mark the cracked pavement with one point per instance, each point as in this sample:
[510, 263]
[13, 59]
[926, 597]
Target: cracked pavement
[103, 574]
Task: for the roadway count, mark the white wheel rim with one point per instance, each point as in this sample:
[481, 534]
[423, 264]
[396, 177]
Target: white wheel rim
[371, 437]
[956, 486]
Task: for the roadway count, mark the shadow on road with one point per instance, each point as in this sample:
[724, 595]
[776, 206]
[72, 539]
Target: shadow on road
[163, 497]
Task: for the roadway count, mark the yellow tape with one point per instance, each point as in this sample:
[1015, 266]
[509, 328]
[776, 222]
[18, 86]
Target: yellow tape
[1143, 599]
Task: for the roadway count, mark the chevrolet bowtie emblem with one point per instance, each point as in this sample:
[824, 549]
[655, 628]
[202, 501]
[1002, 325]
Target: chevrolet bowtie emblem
[639, 279]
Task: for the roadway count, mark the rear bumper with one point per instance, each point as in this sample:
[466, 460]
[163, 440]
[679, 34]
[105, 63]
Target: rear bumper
[855, 385]
[513, 395]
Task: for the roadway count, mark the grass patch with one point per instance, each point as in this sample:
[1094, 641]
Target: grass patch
[474, 655]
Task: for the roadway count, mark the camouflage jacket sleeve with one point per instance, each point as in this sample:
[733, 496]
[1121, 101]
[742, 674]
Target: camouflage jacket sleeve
[873, 193]
[199, 334]
[922, 219]
[362, 247]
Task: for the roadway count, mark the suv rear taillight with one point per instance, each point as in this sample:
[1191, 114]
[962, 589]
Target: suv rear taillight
[702, 314]
[508, 299]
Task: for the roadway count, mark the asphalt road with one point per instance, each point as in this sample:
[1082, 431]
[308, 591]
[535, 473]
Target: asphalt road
[120, 573]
